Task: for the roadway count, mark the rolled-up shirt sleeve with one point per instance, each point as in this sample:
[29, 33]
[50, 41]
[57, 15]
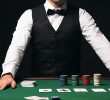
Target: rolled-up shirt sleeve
[95, 37]
[20, 40]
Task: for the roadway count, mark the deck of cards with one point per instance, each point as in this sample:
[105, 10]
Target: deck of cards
[27, 83]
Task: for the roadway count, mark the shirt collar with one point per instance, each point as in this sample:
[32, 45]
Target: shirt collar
[48, 5]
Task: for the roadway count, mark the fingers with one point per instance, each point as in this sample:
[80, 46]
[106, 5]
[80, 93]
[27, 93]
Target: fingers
[13, 84]
[7, 81]
[2, 86]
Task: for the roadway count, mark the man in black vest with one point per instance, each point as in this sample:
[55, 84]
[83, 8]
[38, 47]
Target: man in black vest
[54, 30]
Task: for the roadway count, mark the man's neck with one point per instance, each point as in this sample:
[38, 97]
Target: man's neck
[56, 4]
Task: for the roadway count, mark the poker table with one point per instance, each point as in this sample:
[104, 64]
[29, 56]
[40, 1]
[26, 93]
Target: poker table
[53, 83]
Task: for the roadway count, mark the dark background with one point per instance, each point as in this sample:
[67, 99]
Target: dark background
[11, 10]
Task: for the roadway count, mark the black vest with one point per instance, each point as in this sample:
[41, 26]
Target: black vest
[56, 52]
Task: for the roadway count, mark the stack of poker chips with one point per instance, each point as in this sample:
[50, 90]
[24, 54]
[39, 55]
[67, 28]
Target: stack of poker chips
[55, 98]
[97, 79]
[63, 80]
[86, 79]
[75, 80]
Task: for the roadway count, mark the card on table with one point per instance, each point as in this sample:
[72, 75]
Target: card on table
[98, 90]
[45, 90]
[36, 98]
[28, 83]
[63, 90]
[80, 90]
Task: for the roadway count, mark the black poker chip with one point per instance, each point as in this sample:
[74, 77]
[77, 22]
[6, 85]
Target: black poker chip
[55, 98]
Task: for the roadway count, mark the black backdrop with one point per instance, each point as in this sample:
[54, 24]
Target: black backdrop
[11, 10]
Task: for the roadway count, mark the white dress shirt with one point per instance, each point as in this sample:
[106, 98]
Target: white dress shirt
[22, 36]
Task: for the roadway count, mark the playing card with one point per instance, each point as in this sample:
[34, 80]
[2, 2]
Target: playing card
[36, 98]
[27, 83]
[45, 90]
[99, 90]
[63, 90]
[80, 90]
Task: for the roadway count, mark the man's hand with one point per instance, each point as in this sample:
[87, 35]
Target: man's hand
[7, 80]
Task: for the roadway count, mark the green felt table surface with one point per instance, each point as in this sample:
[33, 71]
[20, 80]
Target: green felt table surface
[20, 92]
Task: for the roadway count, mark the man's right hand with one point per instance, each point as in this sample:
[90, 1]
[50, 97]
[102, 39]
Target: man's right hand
[6, 81]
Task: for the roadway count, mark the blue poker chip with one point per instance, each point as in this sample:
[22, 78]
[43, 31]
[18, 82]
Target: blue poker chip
[55, 98]
[63, 75]
[63, 79]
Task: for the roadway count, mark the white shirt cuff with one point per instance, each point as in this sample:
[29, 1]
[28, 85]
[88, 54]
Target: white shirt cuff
[9, 69]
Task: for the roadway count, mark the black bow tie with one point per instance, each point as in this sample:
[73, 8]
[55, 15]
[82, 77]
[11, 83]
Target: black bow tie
[52, 12]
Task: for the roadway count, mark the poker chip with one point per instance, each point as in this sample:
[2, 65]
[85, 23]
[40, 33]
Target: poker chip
[55, 98]
[97, 79]
[86, 79]
[63, 80]
[75, 80]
